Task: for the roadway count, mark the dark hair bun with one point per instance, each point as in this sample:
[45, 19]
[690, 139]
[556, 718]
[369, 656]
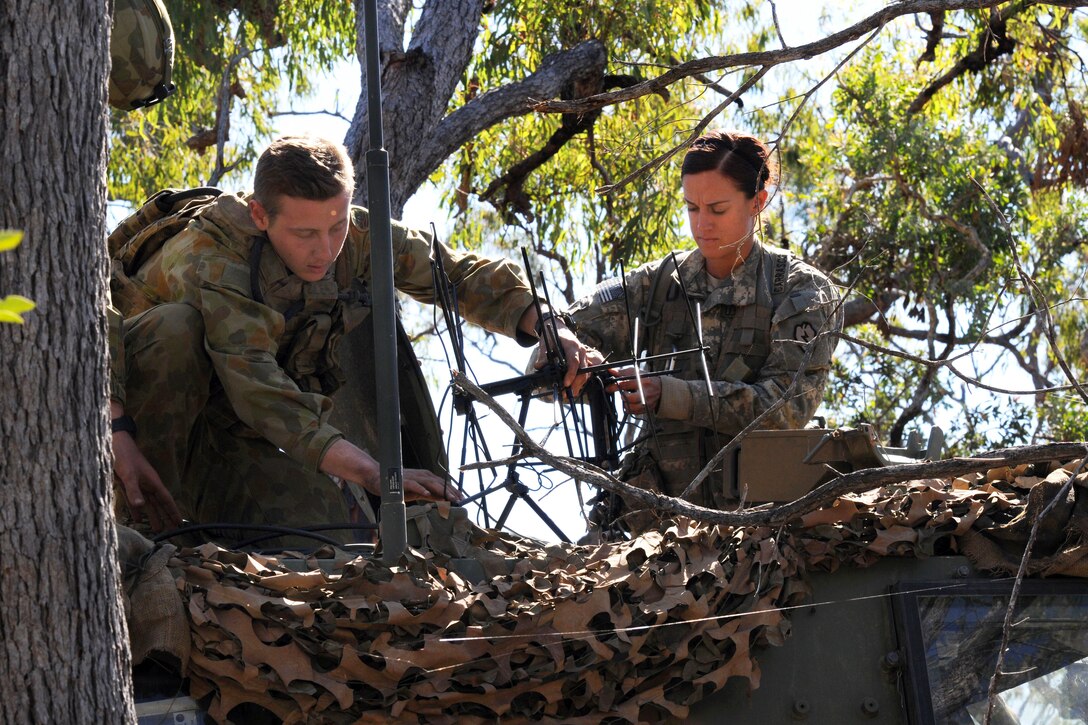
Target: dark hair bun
[741, 157]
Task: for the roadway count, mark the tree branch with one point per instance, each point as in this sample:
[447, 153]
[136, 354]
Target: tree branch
[585, 61]
[948, 364]
[1006, 627]
[648, 168]
[227, 90]
[514, 199]
[655, 164]
[1038, 299]
[925, 384]
[772, 58]
[863, 480]
[933, 37]
[417, 85]
[993, 42]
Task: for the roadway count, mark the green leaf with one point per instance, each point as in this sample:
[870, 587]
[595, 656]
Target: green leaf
[10, 317]
[9, 239]
[16, 304]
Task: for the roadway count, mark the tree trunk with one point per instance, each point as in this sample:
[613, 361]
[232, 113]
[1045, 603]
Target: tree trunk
[418, 83]
[63, 644]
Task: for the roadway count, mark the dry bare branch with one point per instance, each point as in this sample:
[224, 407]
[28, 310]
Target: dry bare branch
[1006, 628]
[771, 58]
[863, 480]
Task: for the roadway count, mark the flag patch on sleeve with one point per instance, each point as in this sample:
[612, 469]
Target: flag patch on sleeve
[610, 289]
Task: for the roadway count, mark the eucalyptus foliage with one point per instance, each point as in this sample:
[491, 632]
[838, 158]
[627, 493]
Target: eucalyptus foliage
[939, 170]
[235, 60]
[949, 209]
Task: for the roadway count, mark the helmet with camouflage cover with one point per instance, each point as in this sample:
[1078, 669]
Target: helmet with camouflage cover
[142, 54]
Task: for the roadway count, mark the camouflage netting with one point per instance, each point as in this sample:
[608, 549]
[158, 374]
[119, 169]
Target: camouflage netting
[633, 631]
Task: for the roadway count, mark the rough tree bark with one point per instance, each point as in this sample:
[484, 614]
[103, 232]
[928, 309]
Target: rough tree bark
[418, 83]
[63, 643]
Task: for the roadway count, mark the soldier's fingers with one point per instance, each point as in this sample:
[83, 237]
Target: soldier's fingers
[448, 491]
[133, 495]
[541, 357]
[414, 490]
[573, 364]
[167, 509]
[632, 400]
[427, 484]
[579, 383]
[155, 518]
[159, 498]
[134, 498]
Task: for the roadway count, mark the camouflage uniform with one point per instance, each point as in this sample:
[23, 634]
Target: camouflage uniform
[754, 326]
[141, 54]
[228, 358]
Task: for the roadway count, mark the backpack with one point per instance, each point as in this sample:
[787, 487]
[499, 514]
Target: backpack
[141, 53]
[143, 233]
[164, 214]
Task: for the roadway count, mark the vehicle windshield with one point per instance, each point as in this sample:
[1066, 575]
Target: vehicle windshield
[952, 640]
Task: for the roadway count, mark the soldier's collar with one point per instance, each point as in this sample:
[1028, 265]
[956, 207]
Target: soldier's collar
[737, 289]
[231, 212]
[689, 267]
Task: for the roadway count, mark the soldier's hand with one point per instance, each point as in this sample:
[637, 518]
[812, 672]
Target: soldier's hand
[351, 463]
[577, 355]
[634, 401]
[421, 483]
[141, 486]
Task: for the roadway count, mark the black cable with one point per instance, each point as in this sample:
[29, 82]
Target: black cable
[308, 532]
[327, 527]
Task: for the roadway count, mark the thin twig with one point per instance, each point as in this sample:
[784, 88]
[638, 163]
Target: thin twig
[777, 25]
[657, 163]
[1006, 628]
[1037, 297]
[334, 114]
[863, 480]
[948, 364]
[222, 120]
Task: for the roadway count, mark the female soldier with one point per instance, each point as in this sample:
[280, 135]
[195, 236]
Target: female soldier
[763, 311]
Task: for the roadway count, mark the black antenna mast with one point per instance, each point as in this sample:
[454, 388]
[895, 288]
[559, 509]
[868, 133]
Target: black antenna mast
[393, 528]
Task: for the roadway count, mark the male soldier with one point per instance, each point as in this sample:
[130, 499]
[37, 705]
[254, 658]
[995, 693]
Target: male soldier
[230, 346]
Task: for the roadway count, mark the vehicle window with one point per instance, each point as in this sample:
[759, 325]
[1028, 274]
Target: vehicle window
[950, 635]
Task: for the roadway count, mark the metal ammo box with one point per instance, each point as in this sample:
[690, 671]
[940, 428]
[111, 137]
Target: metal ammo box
[783, 465]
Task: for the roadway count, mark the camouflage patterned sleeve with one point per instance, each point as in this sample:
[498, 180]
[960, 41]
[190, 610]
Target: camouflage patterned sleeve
[490, 292]
[117, 354]
[810, 308]
[240, 336]
[603, 318]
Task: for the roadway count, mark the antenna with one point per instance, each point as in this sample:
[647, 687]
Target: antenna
[392, 523]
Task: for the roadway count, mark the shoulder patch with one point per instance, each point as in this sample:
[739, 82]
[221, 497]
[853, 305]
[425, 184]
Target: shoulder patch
[610, 289]
[804, 332]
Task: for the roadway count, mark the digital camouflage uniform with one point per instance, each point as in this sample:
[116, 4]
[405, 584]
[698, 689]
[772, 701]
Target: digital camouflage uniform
[754, 325]
[228, 358]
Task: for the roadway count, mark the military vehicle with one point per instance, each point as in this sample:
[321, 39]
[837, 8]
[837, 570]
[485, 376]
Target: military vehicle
[910, 637]
[914, 640]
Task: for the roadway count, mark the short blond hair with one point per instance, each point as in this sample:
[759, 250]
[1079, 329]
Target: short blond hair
[304, 167]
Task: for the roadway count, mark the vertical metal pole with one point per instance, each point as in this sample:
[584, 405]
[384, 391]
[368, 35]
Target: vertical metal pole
[392, 528]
